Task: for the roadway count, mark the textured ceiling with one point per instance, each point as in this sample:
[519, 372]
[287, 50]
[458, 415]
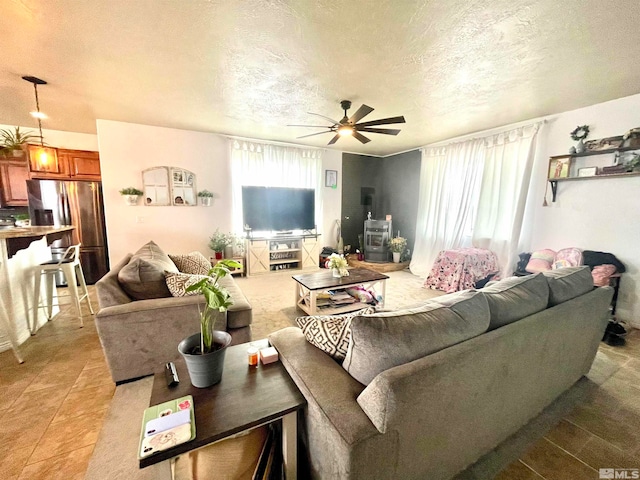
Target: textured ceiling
[251, 67]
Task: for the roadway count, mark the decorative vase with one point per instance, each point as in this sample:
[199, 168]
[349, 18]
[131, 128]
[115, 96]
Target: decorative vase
[205, 369]
[396, 257]
[228, 251]
[580, 148]
[205, 201]
[131, 200]
[218, 255]
[336, 272]
[361, 256]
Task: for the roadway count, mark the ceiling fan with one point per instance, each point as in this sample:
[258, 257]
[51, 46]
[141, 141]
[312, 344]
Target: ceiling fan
[350, 126]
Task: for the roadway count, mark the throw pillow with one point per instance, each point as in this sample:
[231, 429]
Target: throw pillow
[602, 275]
[541, 261]
[330, 333]
[568, 283]
[194, 263]
[143, 277]
[177, 283]
[381, 341]
[516, 297]
[567, 257]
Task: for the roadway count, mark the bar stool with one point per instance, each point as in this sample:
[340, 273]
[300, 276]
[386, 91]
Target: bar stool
[70, 266]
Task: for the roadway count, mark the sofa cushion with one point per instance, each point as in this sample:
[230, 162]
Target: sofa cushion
[541, 261]
[330, 333]
[384, 340]
[516, 297]
[143, 277]
[568, 283]
[194, 263]
[177, 283]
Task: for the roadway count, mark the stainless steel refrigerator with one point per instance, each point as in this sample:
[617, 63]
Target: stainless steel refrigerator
[77, 203]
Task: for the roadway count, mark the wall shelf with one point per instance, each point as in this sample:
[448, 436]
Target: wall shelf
[574, 166]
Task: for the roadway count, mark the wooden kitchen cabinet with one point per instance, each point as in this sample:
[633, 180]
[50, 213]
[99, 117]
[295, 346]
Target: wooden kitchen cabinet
[71, 165]
[13, 180]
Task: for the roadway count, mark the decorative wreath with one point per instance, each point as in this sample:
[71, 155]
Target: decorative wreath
[580, 133]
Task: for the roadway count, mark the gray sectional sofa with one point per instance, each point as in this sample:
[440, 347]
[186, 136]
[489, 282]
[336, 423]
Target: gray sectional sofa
[425, 392]
[139, 336]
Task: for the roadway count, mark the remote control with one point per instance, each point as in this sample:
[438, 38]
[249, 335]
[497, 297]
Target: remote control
[171, 374]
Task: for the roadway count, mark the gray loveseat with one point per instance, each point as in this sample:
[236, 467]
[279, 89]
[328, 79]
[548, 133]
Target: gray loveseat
[139, 336]
[426, 391]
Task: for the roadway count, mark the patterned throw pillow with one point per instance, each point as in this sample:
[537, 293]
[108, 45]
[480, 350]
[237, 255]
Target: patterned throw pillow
[330, 333]
[541, 261]
[194, 263]
[177, 283]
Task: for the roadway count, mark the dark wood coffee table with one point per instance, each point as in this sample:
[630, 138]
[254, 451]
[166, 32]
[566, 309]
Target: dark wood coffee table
[245, 398]
[308, 286]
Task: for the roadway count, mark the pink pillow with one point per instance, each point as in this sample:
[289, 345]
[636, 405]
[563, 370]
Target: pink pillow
[602, 275]
[540, 261]
[568, 257]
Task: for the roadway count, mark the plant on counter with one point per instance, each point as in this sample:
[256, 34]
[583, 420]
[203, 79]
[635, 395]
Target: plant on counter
[398, 244]
[338, 263]
[217, 300]
[205, 194]
[14, 141]
[131, 191]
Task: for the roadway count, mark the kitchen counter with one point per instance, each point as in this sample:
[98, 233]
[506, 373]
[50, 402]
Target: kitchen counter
[21, 250]
[25, 232]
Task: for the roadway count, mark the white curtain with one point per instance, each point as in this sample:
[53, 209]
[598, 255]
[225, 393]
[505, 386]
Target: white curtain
[505, 184]
[267, 165]
[449, 185]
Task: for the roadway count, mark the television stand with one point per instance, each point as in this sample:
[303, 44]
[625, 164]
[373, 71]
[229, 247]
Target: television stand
[282, 252]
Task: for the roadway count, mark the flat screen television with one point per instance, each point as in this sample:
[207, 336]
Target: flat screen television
[277, 208]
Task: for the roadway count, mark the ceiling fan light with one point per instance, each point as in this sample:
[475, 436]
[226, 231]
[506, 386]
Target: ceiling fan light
[40, 115]
[345, 131]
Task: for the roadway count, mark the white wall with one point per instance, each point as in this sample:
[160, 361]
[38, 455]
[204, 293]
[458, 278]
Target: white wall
[599, 214]
[127, 149]
[61, 139]
[331, 198]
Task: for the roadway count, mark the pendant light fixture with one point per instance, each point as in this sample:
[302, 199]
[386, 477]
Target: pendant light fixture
[43, 159]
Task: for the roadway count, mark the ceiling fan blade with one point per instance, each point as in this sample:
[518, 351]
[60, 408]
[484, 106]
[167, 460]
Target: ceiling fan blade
[361, 137]
[362, 112]
[314, 126]
[334, 139]
[333, 122]
[385, 131]
[312, 134]
[382, 121]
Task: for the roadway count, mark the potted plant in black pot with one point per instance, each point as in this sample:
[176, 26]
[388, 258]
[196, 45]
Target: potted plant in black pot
[204, 352]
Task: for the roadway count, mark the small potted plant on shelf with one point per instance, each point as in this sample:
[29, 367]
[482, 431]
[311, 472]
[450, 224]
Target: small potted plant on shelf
[206, 197]
[217, 242]
[397, 246]
[21, 219]
[204, 352]
[14, 142]
[131, 195]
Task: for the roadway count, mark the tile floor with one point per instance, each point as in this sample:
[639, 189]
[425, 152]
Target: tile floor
[52, 408]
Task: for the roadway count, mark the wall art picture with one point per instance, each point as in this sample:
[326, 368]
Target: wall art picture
[559, 167]
[331, 178]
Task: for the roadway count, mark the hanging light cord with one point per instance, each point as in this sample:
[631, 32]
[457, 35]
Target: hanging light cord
[35, 88]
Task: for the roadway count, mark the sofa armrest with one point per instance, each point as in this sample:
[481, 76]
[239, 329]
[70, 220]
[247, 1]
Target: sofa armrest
[324, 382]
[150, 305]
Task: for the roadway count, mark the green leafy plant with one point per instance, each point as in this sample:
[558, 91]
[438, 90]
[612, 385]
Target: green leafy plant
[205, 194]
[216, 299]
[633, 163]
[218, 241]
[131, 191]
[14, 140]
[21, 216]
[398, 244]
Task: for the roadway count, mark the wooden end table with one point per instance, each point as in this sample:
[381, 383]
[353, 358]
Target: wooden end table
[246, 397]
[310, 284]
